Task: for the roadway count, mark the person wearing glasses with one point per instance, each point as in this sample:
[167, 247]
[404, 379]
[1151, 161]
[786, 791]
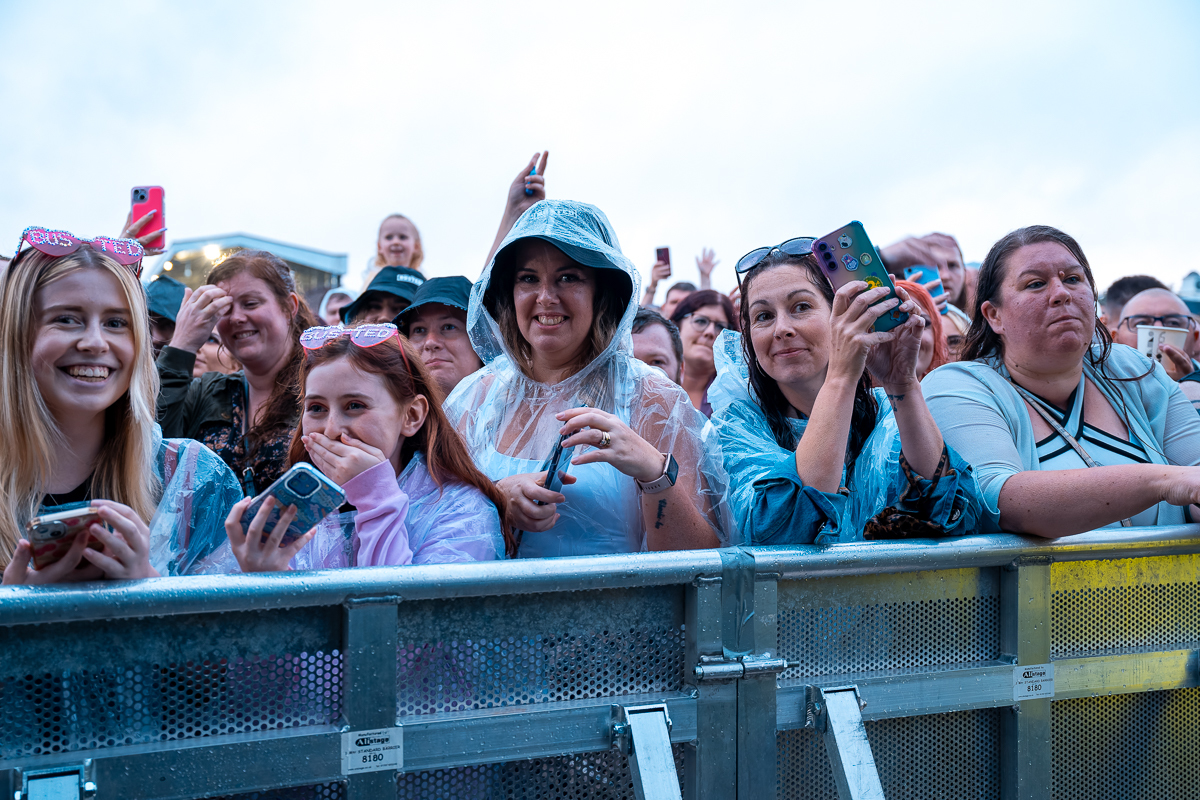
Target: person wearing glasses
[551, 316]
[700, 317]
[371, 425]
[1162, 308]
[824, 430]
[1066, 431]
[77, 422]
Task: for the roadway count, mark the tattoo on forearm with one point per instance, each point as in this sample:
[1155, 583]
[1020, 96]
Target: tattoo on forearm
[895, 398]
[662, 506]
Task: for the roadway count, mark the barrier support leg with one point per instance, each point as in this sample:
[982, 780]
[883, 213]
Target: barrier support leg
[710, 763]
[370, 683]
[837, 712]
[644, 734]
[1025, 741]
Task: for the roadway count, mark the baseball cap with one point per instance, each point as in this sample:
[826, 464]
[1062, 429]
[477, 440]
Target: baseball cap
[164, 296]
[400, 281]
[454, 291]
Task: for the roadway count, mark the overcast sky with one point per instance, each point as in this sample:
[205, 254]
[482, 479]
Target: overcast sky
[729, 125]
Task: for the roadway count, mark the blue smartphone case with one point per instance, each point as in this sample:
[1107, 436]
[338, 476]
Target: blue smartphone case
[303, 486]
[847, 255]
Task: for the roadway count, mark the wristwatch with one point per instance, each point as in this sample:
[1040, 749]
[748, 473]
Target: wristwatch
[664, 481]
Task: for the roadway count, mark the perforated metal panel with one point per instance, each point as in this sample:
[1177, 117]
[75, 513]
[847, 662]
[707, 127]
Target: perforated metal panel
[324, 791]
[54, 712]
[1125, 606]
[502, 651]
[952, 756]
[588, 776]
[1130, 746]
[856, 625]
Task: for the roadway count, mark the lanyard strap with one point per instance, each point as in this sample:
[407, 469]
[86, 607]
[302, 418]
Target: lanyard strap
[248, 472]
[1036, 404]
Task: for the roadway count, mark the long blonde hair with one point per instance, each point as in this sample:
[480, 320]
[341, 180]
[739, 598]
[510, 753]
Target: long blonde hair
[418, 253]
[125, 469]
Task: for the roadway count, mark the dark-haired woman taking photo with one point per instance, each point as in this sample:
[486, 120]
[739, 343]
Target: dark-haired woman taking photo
[814, 452]
[1067, 431]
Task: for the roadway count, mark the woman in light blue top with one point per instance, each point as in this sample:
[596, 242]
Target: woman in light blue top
[1067, 431]
[813, 452]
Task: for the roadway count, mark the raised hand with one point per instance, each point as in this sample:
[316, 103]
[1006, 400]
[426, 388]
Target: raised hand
[893, 363]
[705, 263]
[198, 315]
[133, 230]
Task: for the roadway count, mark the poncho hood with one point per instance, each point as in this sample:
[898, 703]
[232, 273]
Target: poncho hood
[584, 233]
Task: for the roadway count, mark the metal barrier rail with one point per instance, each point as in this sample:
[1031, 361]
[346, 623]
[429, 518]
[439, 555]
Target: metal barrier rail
[536, 678]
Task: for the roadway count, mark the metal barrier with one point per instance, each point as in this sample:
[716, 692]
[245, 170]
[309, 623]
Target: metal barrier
[990, 666]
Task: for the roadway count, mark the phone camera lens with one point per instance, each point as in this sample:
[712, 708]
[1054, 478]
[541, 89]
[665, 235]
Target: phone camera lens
[822, 246]
[302, 485]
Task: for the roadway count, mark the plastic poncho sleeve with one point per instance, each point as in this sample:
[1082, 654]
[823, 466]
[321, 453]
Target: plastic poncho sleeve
[667, 420]
[188, 527]
[771, 505]
[454, 530]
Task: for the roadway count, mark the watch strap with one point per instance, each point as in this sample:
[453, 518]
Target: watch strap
[664, 481]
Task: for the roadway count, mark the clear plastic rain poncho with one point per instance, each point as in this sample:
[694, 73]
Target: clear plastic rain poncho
[189, 524]
[772, 505]
[508, 422]
[397, 521]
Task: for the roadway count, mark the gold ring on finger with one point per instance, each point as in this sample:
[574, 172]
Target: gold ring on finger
[605, 440]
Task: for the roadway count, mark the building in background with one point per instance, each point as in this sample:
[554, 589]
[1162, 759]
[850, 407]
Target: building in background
[189, 260]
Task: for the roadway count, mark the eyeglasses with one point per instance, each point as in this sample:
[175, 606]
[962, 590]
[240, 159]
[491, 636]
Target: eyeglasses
[1167, 320]
[362, 335]
[702, 323]
[127, 252]
[800, 246]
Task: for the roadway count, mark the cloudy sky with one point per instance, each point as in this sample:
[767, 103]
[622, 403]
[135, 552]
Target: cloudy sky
[690, 124]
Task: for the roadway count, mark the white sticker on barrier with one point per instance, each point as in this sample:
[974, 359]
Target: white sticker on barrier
[1033, 681]
[372, 751]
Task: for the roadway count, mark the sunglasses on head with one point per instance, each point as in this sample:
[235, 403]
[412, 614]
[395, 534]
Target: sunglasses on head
[799, 246]
[126, 252]
[362, 335]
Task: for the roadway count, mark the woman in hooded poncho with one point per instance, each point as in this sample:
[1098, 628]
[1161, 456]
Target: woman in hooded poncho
[551, 319]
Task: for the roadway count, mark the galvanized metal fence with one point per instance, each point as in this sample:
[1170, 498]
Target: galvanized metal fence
[989, 666]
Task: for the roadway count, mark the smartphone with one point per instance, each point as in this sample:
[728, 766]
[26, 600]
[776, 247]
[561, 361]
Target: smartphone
[848, 255]
[663, 254]
[556, 465]
[922, 274]
[145, 199]
[532, 172]
[52, 534]
[304, 487]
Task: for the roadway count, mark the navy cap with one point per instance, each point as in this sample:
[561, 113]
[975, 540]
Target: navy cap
[454, 292]
[164, 296]
[400, 281]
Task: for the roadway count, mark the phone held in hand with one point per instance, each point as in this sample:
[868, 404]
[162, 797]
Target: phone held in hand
[306, 488]
[663, 254]
[847, 255]
[556, 465]
[52, 535]
[922, 274]
[145, 199]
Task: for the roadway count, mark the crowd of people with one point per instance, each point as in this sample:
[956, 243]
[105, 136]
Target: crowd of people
[1013, 398]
